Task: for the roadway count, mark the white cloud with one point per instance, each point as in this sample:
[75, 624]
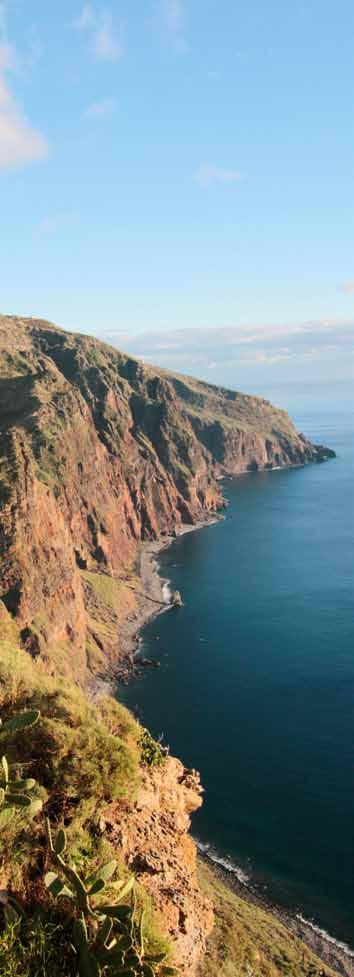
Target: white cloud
[348, 286]
[101, 109]
[258, 348]
[106, 44]
[208, 173]
[20, 143]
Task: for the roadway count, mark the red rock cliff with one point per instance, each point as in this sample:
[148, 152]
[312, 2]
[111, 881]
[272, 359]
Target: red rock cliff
[99, 452]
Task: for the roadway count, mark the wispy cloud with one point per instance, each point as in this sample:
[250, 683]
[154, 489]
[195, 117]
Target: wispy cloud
[106, 43]
[348, 286]
[101, 109]
[174, 19]
[20, 143]
[242, 348]
[208, 173]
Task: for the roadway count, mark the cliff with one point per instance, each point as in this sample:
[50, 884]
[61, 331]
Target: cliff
[102, 777]
[99, 452]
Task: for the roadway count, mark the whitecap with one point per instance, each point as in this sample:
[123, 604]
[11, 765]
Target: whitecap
[166, 592]
[325, 936]
[224, 861]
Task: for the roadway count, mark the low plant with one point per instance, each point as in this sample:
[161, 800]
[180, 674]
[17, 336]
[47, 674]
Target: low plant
[80, 919]
[152, 753]
[15, 792]
[36, 946]
[108, 939]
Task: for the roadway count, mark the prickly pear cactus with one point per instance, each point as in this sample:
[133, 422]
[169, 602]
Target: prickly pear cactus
[16, 793]
[107, 938]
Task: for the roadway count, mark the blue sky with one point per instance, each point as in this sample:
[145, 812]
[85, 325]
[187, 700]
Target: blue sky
[174, 164]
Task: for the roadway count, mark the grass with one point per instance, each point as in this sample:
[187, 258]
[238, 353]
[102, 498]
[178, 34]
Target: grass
[40, 948]
[109, 601]
[248, 941]
[85, 757]
[41, 945]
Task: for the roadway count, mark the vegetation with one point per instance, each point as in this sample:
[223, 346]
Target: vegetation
[106, 937]
[94, 439]
[108, 601]
[36, 946]
[15, 791]
[66, 915]
[152, 753]
[248, 941]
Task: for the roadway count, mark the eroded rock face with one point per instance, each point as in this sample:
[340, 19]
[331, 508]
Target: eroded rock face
[152, 837]
[97, 453]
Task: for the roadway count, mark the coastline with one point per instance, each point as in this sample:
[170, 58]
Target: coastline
[152, 598]
[331, 951]
[151, 601]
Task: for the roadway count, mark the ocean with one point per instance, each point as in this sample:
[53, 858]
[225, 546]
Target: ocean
[256, 684]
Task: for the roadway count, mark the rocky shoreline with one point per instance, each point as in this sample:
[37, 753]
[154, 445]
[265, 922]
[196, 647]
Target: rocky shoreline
[150, 603]
[331, 951]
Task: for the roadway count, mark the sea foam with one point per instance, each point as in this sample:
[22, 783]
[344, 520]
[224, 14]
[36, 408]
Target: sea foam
[166, 592]
[223, 860]
[325, 936]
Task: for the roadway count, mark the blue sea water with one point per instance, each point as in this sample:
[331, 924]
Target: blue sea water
[256, 684]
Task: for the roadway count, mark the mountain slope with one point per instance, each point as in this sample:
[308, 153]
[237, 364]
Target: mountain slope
[97, 453]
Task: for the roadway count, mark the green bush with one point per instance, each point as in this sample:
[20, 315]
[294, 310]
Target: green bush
[84, 756]
[152, 754]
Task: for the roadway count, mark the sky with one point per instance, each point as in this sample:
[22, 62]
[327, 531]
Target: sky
[175, 165]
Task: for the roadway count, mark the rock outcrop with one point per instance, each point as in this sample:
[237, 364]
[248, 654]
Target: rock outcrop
[99, 452]
[152, 837]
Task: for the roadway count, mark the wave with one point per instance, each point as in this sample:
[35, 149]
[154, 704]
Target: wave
[325, 936]
[223, 861]
[242, 877]
[166, 592]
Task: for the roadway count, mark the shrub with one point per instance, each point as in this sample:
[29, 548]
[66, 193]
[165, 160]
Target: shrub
[152, 754]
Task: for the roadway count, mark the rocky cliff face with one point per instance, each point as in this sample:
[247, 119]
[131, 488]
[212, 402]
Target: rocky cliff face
[97, 453]
[152, 837]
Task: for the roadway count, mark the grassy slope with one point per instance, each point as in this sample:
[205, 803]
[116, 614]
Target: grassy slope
[231, 408]
[248, 941]
[199, 398]
[124, 450]
[83, 756]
